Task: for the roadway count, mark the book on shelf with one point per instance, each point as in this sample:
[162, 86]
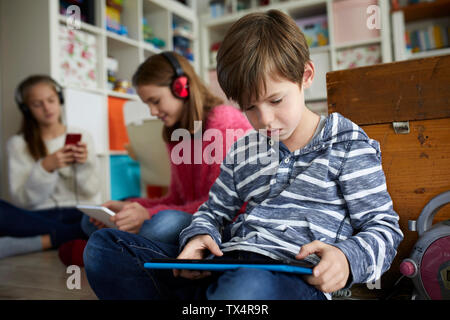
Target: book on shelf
[428, 38]
[397, 4]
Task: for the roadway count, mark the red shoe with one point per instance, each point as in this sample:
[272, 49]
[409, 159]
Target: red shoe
[71, 252]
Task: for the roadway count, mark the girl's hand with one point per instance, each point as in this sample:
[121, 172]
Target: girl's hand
[332, 272]
[196, 249]
[80, 152]
[98, 224]
[114, 205]
[131, 217]
[59, 159]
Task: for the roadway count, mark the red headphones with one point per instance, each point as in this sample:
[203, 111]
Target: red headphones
[179, 85]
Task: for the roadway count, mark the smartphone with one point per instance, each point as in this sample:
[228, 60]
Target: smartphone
[72, 138]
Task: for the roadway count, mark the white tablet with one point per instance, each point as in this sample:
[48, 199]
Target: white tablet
[98, 213]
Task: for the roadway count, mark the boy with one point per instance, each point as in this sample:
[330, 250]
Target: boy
[327, 184]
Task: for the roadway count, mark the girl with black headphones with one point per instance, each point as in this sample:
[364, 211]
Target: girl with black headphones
[47, 178]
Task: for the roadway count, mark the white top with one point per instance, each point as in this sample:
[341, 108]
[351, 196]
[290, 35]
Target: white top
[32, 187]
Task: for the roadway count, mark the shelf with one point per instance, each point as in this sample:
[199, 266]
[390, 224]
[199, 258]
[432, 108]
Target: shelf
[127, 96]
[358, 43]
[118, 153]
[122, 39]
[227, 19]
[430, 53]
[150, 47]
[425, 10]
[316, 99]
[91, 90]
[177, 8]
[319, 49]
[304, 7]
[102, 154]
[84, 26]
[183, 33]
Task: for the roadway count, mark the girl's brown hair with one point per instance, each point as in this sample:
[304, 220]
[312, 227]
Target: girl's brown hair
[157, 70]
[257, 46]
[30, 127]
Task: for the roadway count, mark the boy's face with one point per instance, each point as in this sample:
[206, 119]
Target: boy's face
[280, 109]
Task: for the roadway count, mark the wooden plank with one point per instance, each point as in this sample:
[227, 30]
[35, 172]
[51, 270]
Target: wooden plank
[425, 10]
[417, 168]
[401, 91]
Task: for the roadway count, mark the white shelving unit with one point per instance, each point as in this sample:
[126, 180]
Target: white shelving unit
[414, 17]
[37, 23]
[213, 30]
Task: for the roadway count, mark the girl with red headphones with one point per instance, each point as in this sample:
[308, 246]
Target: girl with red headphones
[47, 178]
[168, 84]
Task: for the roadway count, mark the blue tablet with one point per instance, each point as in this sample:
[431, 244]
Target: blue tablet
[301, 267]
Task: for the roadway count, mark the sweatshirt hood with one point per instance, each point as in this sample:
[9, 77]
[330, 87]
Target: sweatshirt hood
[338, 129]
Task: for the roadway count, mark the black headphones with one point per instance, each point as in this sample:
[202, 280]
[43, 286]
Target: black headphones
[20, 90]
[180, 83]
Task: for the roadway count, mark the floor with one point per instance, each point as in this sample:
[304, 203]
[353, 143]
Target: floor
[41, 276]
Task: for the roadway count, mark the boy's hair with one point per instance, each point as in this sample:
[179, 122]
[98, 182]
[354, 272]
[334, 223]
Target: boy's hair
[157, 70]
[259, 46]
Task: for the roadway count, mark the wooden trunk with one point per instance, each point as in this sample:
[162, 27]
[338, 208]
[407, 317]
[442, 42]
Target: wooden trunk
[416, 164]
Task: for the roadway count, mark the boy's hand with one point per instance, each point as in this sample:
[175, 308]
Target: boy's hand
[332, 272]
[131, 217]
[196, 249]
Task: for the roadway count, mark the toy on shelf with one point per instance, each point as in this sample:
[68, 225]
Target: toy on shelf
[147, 30]
[182, 37]
[182, 46]
[149, 36]
[112, 66]
[219, 8]
[113, 11]
[315, 30]
[115, 84]
[242, 5]
[213, 53]
[123, 86]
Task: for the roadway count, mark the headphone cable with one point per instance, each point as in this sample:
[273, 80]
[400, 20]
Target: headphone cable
[75, 183]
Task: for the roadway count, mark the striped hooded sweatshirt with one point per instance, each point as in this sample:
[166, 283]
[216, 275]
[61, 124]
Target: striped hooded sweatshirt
[332, 190]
